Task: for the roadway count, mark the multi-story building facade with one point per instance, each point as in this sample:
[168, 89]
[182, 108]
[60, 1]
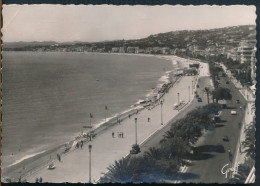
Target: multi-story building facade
[245, 51]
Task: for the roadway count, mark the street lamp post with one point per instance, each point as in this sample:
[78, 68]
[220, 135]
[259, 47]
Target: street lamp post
[192, 87]
[136, 131]
[105, 115]
[189, 93]
[161, 113]
[89, 148]
[178, 98]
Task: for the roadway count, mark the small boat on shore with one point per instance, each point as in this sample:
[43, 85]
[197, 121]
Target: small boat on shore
[51, 166]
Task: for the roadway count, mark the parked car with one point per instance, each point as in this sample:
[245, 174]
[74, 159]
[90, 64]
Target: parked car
[225, 138]
[199, 100]
[238, 101]
[135, 149]
[224, 106]
[233, 112]
[198, 86]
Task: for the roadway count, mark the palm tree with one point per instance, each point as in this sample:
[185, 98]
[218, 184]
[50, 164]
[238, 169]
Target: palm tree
[121, 171]
[169, 134]
[153, 153]
[242, 173]
[208, 92]
[249, 142]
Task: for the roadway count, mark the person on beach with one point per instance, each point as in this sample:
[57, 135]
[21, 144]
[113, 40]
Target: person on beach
[59, 157]
[81, 145]
[113, 134]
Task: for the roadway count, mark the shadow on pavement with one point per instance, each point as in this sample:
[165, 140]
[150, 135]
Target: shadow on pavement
[210, 148]
[231, 107]
[201, 156]
[219, 125]
[222, 121]
[188, 176]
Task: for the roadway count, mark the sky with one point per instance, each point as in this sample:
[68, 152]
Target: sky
[91, 23]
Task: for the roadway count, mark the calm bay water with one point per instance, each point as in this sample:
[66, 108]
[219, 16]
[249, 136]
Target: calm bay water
[47, 97]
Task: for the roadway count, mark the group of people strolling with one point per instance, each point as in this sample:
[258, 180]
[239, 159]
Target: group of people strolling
[79, 144]
[119, 134]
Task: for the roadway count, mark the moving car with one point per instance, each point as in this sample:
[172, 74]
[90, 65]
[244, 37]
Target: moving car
[225, 138]
[233, 112]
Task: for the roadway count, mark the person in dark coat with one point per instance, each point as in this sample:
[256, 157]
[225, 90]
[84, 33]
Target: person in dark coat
[81, 144]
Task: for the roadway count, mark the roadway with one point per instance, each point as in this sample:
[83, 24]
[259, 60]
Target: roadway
[212, 150]
[206, 167]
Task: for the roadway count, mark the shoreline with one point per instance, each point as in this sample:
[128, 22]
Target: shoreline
[40, 160]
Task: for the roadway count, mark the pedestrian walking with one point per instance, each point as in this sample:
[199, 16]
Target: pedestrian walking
[148, 119]
[40, 180]
[122, 135]
[77, 145]
[36, 180]
[59, 157]
[230, 155]
[113, 134]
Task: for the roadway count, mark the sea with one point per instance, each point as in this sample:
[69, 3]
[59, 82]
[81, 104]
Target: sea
[47, 97]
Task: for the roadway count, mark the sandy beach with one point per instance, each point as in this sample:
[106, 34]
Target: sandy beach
[74, 166]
